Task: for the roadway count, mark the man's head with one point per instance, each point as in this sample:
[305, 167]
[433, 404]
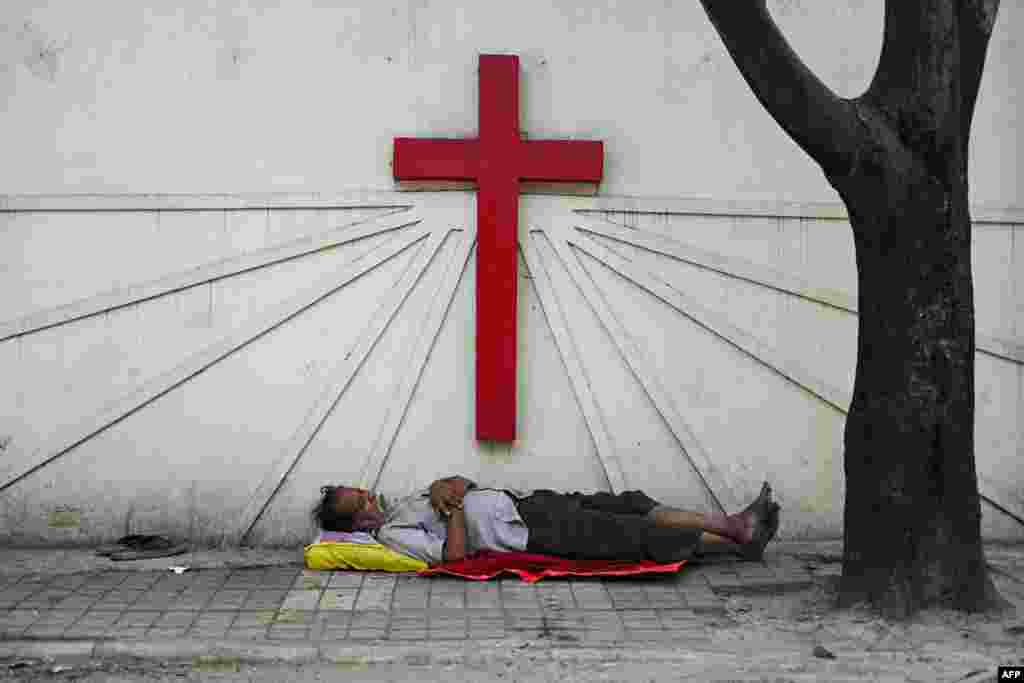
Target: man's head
[344, 508]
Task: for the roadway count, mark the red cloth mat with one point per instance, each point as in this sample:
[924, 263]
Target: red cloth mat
[532, 568]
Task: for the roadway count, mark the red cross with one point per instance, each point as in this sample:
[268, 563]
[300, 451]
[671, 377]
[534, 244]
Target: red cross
[497, 161]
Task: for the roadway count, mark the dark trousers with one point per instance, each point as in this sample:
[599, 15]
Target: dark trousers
[602, 526]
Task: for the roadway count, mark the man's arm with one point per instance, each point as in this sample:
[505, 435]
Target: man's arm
[455, 546]
[446, 494]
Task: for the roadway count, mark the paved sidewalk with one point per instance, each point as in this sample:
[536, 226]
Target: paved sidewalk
[288, 604]
[286, 613]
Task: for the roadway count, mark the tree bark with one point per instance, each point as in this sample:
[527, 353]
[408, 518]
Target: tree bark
[897, 156]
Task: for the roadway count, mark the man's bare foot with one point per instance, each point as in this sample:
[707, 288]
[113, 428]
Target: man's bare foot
[747, 521]
[767, 526]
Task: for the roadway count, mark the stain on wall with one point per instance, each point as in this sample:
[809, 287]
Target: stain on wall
[38, 51]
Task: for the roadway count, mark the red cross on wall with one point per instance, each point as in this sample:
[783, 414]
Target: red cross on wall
[497, 160]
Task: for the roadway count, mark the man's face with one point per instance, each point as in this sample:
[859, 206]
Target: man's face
[349, 501]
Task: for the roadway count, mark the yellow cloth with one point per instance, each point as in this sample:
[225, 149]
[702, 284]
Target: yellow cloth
[359, 556]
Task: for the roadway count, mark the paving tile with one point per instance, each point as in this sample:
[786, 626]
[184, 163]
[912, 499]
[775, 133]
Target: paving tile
[19, 618]
[556, 595]
[368, 625]
[12, 596]
[591, 595]
[310, 579]
[77, 601]
[301, 600]
[641, 619]
[410, 598]
[288, 633]
[650, 635]
[335, 619]
[603, 626]
[332, 635]
[45, 630]
[175, 619]
[165, 633]
[409, 625]
[338, 599]
[633, 597]
[280, 577]
[211, 631]
[665, 596]
[724, 582]
[447, 626]
[346, 579]
[517, 595]
[265, 599]
[156, 601]
[481, 595]
[228, 599]
[484, 624]
[245, 578]
[292, 616]
[192, 600]
[68, 582]
[98, 621]
[375, 594]
[137, 619]
[141, 580]
[225, 619]
[447, 597]
[128, 633]
[247, 633]
[173, 583]
[46, 598]
[104, 581]
[520, 624]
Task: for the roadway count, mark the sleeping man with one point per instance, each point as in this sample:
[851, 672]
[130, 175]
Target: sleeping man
[454, 518]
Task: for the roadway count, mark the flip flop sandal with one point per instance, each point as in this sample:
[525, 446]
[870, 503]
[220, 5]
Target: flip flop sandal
[150, 547]
[122, 544]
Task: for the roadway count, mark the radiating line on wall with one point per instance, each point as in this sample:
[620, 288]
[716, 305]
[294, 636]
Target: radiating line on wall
[604, 447]
[210, 272]
[713, 480]
[337, 381]
[716, 324]
[68, 438]
[731, 266]
[765, 276]
[431, 327]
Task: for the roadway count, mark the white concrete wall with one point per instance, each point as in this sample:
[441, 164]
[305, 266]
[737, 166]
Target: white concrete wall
[251, 97]
[172, 363]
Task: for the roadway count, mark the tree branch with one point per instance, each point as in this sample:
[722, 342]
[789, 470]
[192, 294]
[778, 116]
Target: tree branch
[820, 122]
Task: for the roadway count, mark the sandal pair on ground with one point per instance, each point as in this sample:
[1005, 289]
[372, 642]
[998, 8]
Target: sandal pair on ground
[142, 547]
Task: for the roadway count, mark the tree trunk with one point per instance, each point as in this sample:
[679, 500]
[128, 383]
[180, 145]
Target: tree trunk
[897, 155]
[912, 523]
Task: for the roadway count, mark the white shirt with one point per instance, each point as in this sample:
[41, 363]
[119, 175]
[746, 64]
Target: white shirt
[414, 528]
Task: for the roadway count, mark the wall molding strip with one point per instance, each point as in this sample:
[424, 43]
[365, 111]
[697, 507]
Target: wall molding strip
[209, 272]
[69, 437]
[633, 354]
[356, 199]
[335, 384]
[609, 459]
[983, 214]
[373, 468]
[765, 276]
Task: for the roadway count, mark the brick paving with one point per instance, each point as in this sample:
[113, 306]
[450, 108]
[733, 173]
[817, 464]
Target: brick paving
[288, 604]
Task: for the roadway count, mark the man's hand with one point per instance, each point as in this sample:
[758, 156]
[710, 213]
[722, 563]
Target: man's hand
[446, 494]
